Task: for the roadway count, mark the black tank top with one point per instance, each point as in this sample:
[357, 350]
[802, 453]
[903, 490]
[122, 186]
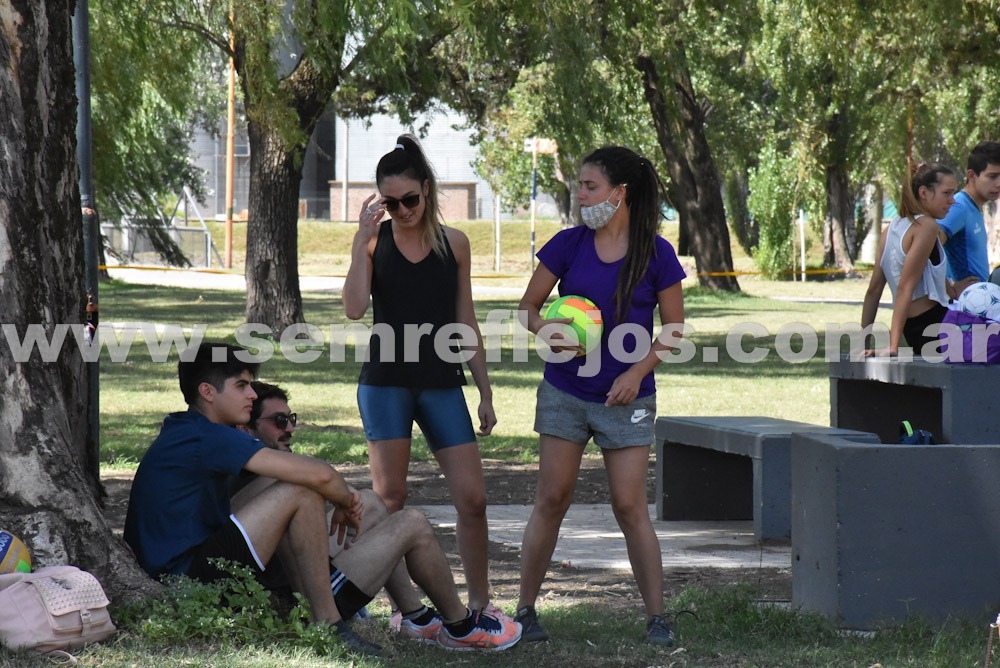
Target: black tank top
[406, 295]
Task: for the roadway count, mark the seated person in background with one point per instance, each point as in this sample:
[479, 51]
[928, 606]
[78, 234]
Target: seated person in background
[963, 230]
[362, 565]
[912, 261]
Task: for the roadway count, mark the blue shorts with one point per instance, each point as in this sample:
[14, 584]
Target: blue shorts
[389, 413]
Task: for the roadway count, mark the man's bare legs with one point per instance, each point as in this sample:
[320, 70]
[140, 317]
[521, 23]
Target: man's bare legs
[405, 535]
[300, 513]
[398, 585]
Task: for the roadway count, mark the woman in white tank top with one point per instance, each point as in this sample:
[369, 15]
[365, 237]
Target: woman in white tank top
[912, 261]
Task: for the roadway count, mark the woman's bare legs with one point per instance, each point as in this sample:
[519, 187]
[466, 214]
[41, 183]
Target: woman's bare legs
[559, 465]
[627, 470]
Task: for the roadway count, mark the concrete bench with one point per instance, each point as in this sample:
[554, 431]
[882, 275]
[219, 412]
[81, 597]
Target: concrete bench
[730, 468]
[955, 402]
[883, 532]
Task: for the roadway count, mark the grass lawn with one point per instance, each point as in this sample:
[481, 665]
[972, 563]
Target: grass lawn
[135, 394]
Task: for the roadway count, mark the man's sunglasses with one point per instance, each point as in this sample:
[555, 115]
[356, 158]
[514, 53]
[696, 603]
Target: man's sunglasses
[281, 420]
[409, 202]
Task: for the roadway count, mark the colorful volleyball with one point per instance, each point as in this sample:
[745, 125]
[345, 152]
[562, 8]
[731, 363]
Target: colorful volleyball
[14, 555]
[587, 322]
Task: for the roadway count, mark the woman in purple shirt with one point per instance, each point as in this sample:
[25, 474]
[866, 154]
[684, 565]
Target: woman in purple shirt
[619, 262]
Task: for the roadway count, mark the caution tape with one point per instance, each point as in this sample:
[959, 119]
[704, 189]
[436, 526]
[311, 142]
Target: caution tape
[793, 272]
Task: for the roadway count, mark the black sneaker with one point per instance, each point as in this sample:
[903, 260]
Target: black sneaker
[658, 632]
[354, 642]
[531, 630]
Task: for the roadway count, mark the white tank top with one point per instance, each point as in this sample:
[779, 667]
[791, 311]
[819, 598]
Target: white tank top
[932, 281]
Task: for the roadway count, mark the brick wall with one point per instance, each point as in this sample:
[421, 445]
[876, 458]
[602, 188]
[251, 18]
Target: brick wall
[457, 200]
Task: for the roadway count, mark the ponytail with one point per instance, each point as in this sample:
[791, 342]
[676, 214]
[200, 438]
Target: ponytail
[925, 175]
[644, 195]
[408, 159]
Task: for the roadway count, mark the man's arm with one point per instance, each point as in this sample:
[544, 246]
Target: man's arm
[309, 472]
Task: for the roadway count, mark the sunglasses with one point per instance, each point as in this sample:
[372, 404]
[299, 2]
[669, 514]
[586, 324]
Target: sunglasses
[281, 420]
[409, 202]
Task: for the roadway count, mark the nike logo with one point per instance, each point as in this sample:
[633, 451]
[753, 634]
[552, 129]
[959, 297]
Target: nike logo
[639, 415]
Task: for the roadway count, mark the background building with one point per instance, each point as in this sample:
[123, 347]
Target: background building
[350, 151]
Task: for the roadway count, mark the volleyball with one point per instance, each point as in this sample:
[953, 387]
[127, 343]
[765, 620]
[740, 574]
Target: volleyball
[587, 322]
[981, 300]
[14, 555]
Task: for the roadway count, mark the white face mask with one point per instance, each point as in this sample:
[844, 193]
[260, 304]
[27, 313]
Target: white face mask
[597, 216]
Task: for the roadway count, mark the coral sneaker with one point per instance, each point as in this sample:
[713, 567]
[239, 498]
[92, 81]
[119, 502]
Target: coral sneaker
[497, 613]
[488, 633]
[424, 629]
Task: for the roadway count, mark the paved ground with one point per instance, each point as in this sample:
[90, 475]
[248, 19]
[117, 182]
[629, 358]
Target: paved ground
[590, 538]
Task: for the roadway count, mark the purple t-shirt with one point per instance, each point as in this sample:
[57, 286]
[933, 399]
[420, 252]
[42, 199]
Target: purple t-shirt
[572, 257]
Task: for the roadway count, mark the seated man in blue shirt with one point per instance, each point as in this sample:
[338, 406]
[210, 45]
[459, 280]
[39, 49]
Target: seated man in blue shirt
[963, 230]
[179, 515]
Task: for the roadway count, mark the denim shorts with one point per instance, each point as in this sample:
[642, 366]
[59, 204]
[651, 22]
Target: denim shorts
[562, 415]
[389, 413]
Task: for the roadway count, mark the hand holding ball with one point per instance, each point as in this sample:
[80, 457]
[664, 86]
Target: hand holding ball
[587, 323]
[14, 555]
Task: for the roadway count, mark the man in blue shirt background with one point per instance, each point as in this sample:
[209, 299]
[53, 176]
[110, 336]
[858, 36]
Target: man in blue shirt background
[963, 231]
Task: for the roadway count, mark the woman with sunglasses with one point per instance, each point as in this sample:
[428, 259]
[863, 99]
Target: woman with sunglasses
[417, 273]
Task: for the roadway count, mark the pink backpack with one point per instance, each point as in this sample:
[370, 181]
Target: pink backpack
[54, 608]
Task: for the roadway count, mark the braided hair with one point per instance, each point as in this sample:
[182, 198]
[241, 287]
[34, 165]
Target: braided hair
[643, 197]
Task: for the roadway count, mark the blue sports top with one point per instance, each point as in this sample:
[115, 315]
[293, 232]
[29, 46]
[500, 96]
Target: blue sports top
[966, 245]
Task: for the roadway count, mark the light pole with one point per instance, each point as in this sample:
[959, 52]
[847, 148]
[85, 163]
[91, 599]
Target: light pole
[91, 229]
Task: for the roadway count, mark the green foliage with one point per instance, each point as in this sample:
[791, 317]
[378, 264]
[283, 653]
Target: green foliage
[236, 610]
[772, 201]
[147, 94]
[502, 160]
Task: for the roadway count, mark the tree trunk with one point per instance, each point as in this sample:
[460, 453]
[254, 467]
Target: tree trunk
[839, 215]
[694, 189]
[49, 487]
[683, 235]
[873, 230]
[566, 197]
[839, 224]
[737, 192]
[272, 265]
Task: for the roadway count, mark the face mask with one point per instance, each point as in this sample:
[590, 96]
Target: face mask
[597, 216]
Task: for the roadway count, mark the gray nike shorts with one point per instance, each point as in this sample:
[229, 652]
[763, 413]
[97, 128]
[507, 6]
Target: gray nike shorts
[562, 415]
